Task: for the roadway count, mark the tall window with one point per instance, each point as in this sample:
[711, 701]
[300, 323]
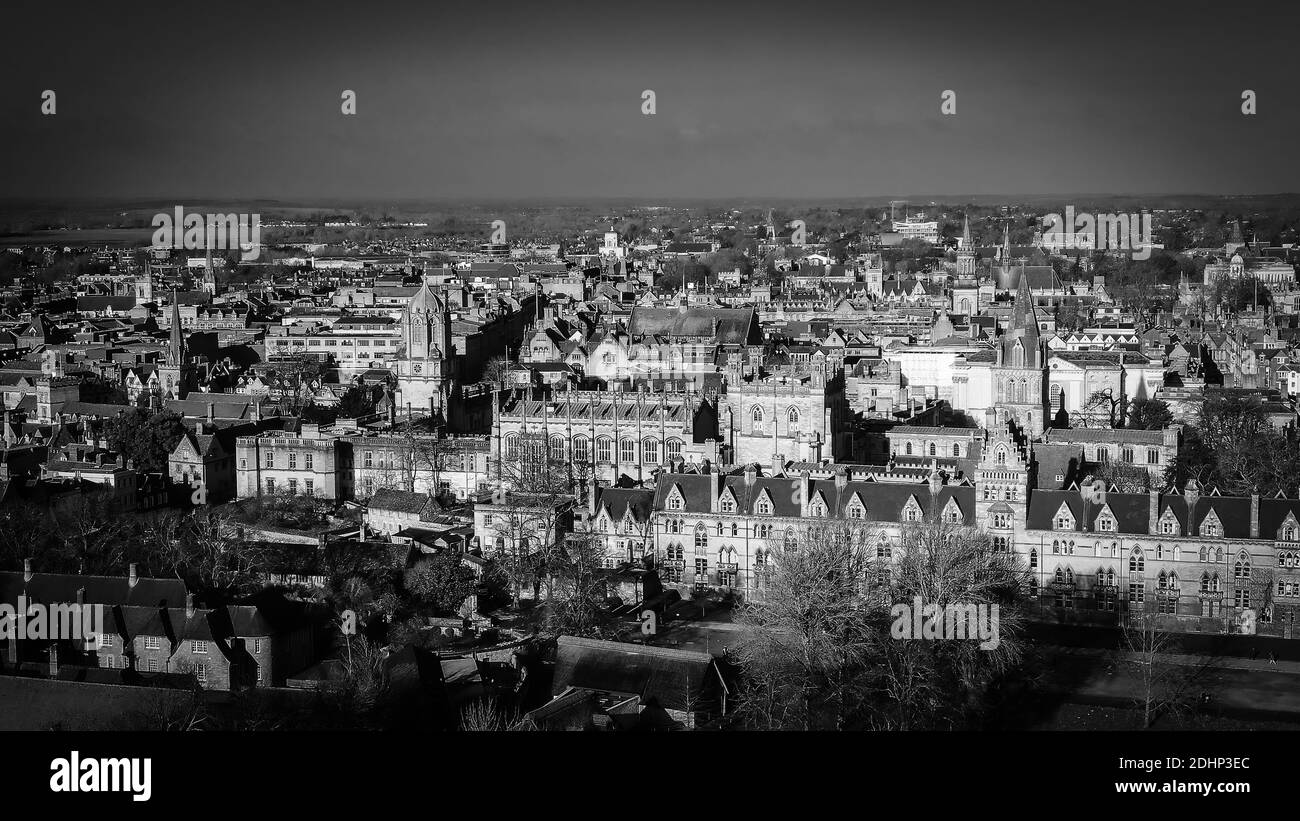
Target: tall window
[756, 414]
[701, 537]
[674, 448]
[956, 451]
[932, 449]
[557, 449]
[270, 459]
[627, 450]
[650, 451]
[604, 449]
[512, 449]
[293, 461]
[580, 450]
[1136, 561]
[793, 417]
[307, 461]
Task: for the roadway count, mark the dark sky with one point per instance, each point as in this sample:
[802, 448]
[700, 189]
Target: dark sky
[543, 99]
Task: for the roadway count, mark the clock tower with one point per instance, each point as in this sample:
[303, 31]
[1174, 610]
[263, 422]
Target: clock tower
[426, 361]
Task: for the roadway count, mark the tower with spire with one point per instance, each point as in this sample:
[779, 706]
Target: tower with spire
[176, 373]
[966, 253]
[1020, 369]
[209, 274]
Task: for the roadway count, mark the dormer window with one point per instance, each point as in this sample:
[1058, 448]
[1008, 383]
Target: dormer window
[856, 512]
[728, 505]
[1105, 524]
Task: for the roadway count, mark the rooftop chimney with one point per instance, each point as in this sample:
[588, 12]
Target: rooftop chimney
[54, 661]
[1153, 511]
[81, 595]
[1254, 515]
[131, 577]
[27, 570]
[189, 605]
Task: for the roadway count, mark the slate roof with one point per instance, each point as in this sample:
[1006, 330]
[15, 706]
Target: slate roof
[884, 501]
[736, 326]
[108, 590]
[675, 679]
[618, 500]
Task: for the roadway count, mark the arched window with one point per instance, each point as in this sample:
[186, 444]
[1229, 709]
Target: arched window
[1136, 561]
[956, 451]
[581, 449]
[1205, 582]
[791, 539]
[701, 537]
[650, 451]
[932, 449]
[756, 414]
[512, 447]
[1056, 397]
[674, 448]
[1033, 559]
[604, 449]
[627, 450]
[557, 449]
[1241, 569]
[1204, 555]
[907, 448]
[1218, 555]
[793, 416]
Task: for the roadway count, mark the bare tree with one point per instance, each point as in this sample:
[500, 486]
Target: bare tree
[804, 647]
[1161, 685]
[819, 650]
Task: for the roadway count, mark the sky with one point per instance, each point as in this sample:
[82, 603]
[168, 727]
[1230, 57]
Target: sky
[543, 99]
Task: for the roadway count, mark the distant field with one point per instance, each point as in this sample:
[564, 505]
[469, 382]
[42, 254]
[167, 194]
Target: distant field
[89, 236]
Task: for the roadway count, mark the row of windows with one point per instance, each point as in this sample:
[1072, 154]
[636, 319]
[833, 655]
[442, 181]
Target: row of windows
[604, 451]
[308, 486]
[291, 461]
[933, 449]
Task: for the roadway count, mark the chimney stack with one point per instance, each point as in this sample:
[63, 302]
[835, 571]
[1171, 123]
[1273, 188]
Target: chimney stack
[1153, 511]
[1192, 492]
[131, 577]
[27, 570]
[805, 487]
[54, 661]
[189, 605]
[751, 474]
[1254, 515]
[81, 595]
[715, 482]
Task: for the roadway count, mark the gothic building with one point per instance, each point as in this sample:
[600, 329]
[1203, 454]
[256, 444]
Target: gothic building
[426, 362]
[176, 373]
[1020, 368]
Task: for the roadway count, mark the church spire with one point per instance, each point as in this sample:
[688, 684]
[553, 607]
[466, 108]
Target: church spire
[176, 345]
[965, 233]
[1006, 244]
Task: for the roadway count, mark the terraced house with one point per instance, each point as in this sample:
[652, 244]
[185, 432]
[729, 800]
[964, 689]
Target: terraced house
[716, 529]
[1203, 559]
